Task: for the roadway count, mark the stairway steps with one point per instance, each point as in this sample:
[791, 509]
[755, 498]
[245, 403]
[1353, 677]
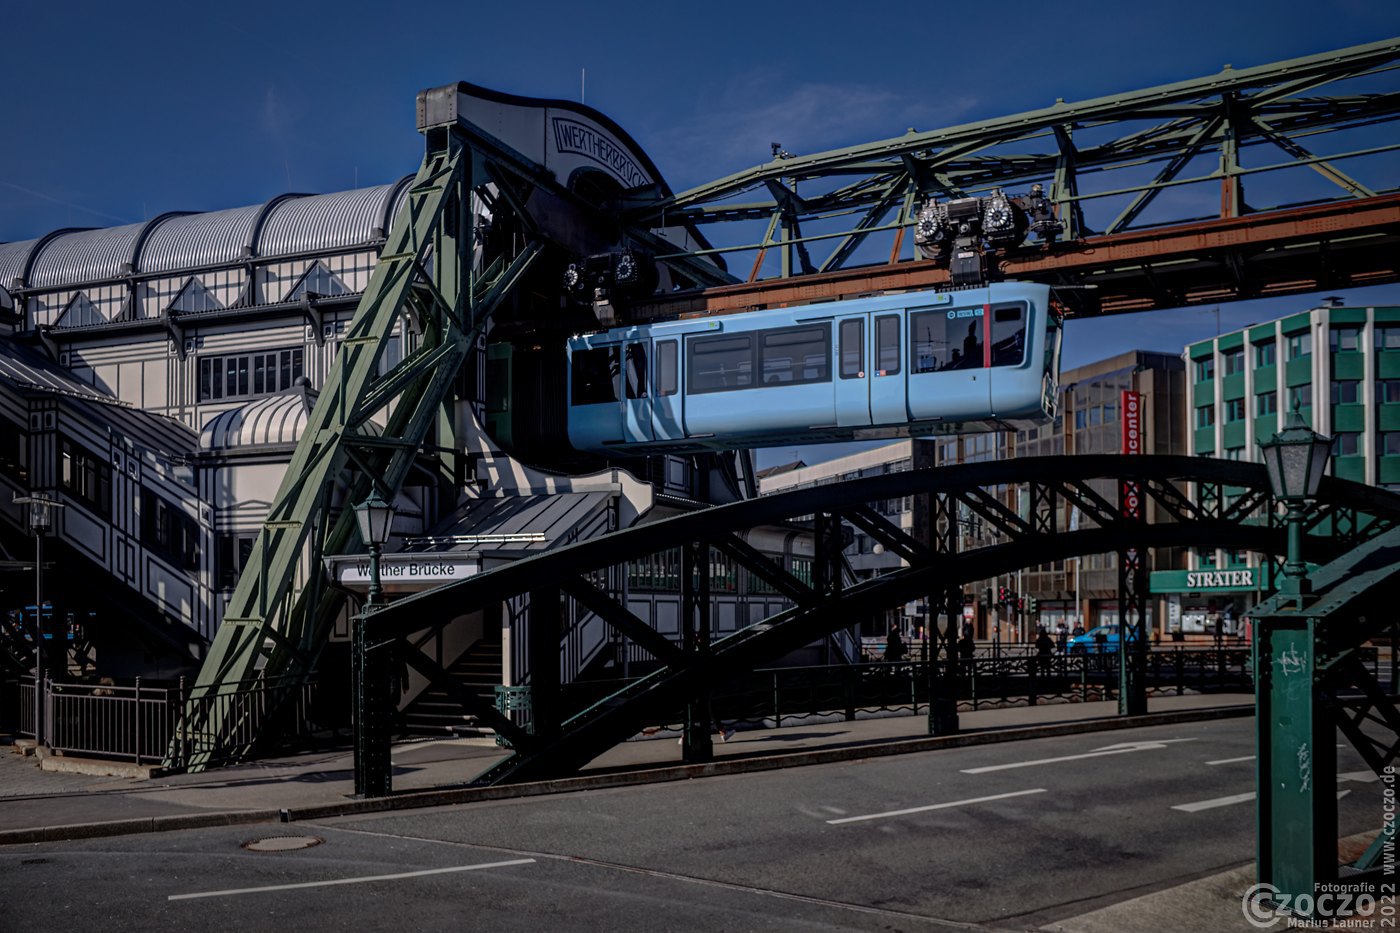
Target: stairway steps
[437, 713]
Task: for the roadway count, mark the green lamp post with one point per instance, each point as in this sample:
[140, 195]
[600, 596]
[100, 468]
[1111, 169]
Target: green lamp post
[373, 770]
[1296, 459]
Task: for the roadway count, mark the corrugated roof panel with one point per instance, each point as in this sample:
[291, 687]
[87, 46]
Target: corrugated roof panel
[84, 256]
[197, 240]
[12, 260]
[324, 221]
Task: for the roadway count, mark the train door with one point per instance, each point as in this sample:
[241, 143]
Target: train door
[887, 372]
[853, 370]
[666, 391]
[636, 394]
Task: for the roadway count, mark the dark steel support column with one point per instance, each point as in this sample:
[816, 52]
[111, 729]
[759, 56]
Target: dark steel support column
[697, 743]
[1297, 759]
[546, 626]
[1132, 632]
[374, 710]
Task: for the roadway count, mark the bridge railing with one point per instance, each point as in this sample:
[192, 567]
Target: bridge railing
[1013, 676]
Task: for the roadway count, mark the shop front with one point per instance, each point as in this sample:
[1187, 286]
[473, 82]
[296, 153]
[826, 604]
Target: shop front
[1207, 603]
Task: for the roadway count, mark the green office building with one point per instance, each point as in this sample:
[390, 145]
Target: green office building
[1341, 368]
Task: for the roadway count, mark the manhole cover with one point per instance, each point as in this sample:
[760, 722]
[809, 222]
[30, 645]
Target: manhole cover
[282, 843]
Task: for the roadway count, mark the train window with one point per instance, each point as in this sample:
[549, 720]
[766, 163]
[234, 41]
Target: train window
[595, 376]
[853, 349]
[943, 340]
[887, 346]
[719, 363]
[796, 355]
[1008, 335]
[666, 358]
[636, 370]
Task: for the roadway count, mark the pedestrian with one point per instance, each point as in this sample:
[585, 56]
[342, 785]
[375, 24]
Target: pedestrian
[1062, 637]
[1044, 647]
[894, 646]
[967, 648]
[1078, 629]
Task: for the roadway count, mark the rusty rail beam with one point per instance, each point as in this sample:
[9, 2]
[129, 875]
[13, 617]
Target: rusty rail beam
[1347, 243]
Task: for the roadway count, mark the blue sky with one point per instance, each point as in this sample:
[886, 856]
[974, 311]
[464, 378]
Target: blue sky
[117, 112]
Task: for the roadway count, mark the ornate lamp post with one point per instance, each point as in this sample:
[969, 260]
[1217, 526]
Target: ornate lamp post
[40, 521]
[1296, 458]
[373, 772]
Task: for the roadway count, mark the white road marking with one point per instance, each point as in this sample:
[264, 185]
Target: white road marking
[1227, 801]
[1230, 761]
[1118, 749]
[936, 806]
[321, 884]
[1213, 803]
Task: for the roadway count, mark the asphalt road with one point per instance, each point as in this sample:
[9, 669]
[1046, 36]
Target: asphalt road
[1007, 836]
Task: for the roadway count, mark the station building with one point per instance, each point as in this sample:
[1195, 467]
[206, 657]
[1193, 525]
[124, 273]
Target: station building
[156, 377]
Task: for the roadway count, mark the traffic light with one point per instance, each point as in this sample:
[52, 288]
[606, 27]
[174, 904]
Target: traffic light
[1003, 595]
[1034, 605]
[987, 597]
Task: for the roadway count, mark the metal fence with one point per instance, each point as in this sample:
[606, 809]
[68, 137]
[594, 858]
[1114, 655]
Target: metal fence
[143, 723]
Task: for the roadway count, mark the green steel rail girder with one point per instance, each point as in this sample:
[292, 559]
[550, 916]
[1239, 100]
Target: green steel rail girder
[1271, 107]
[280, 614]
[1053, 485]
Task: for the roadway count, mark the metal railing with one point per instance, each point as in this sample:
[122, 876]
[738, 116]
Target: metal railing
[143, 723]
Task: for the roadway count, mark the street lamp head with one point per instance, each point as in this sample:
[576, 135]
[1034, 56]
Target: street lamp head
[375, 518]
[40, 512]
[1296, 458]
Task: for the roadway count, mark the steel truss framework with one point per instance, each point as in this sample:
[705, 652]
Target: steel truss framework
[281, 611]
[1122, 151]
[1198, 502]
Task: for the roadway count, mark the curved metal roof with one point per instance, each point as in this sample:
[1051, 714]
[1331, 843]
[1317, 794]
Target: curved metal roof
[194, 240]
[325, 221]
[12, 256]
[269, 421]
[84, 256]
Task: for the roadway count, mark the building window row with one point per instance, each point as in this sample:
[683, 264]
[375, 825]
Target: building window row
[249, 374]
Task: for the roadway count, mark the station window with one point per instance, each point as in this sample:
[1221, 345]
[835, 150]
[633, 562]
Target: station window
[796, 355]
[249, 374]
[719, 363]
[1387, 338]
[594, 376]
[1205, 416]
[944, 342]
[231, 554]
[168, 532]
[1234, 361]
[1234, 410]
[1387, 390]
[1265, 354]
[1266, 403]
[1299, 345]
[853, 349]
[887, 346]
[667, 375]
[1344, 339]
[86, 477]
[1299, 397]
[1205, 369]
[14, 453]
[1346, 444]
[636, 370]
[1346, 391]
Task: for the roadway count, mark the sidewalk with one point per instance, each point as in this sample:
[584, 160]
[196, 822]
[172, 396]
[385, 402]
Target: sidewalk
[38, 804]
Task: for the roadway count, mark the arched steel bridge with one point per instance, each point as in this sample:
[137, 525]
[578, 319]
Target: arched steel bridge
[1197, 501]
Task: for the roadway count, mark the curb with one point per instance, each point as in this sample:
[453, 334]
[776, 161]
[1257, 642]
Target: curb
[413, 800]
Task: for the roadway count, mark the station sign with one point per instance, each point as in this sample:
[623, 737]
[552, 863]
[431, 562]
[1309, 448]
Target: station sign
[419, 569]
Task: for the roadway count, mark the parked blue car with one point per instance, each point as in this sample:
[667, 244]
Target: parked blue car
[1089, 642]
